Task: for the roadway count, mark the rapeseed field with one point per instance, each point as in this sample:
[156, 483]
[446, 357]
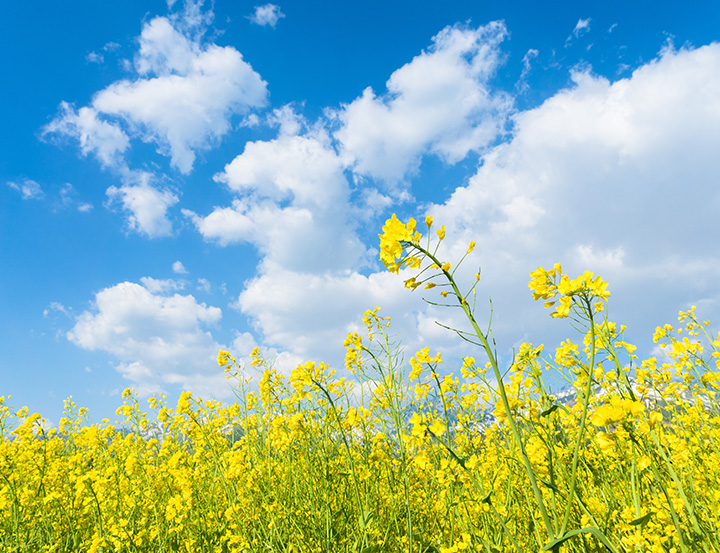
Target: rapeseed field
[396, 456]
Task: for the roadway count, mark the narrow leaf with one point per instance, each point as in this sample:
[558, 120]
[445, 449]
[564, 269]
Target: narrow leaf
[572, 533]
[640, 521]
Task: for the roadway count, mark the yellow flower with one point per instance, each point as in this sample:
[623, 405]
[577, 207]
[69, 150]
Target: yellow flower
[569, 287]
[411, 283]
[541, 284]
[604, 442]
[392, 238]
[437, 428]
[563, 310]
[471, 247]
[655, 418]
[441, 232]
[223, 358]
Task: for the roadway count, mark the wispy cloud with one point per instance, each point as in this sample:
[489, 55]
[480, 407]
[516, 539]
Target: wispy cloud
[529, 56]
[94, 57]
[28, 188]
[581, 27]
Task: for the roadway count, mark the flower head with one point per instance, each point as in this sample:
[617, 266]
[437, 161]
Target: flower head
[393, 240]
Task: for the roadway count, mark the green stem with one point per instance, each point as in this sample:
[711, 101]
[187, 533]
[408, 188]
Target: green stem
[501, 387]
[583, 420]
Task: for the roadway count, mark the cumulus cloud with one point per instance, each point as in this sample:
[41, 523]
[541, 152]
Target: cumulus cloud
[294, 197]
[182, 98]
[28, 188]
[594, 178]
[606, 176]
[280, 303]
[439, 103]
[159, 339]
[190, 93]
[266, 15]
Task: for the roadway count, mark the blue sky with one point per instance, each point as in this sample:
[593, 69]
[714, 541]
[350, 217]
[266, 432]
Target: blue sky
[177, 178]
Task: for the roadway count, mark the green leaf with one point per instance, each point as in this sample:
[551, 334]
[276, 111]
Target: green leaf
[549, 484]
[549, 411]
[365, 518]
[640, 521]
[572, 533]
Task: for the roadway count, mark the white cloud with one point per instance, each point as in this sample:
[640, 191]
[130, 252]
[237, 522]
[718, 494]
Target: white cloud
[105, 140]
[161, 286]
[67, 199]
[28, 188]
[158, 339]
[266, 15]
[182, 99]
[529, 56]
[281, 303]
[438, 103]
[94, 57]
[145, 205]
[593, 178]
[294, 198]
[603, 260]
[610, 177]
[581, 27]
[287, 120]
[179, 268]
[57, 306]
[203, 284]
[300, 169]
[190, 94]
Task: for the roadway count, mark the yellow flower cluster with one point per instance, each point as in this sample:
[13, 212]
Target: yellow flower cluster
[552, 284]
[307, 468]
[392, 242]
[402, 458]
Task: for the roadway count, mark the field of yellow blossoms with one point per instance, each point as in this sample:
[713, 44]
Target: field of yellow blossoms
[396, 456]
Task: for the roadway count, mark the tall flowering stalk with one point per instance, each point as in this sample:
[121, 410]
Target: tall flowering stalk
[400, 247]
